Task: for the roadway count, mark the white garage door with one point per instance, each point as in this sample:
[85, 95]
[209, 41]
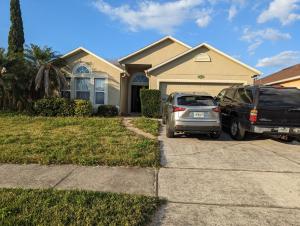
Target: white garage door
[213, 89]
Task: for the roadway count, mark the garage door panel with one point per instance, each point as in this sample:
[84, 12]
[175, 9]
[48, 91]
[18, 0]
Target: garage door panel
[210, 88]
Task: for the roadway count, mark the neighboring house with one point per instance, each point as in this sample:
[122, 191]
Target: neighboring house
[168, 65]
[288, 77]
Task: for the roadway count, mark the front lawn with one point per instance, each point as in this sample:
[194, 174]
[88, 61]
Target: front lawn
[50, 207]
[147, 125]
[84, 141]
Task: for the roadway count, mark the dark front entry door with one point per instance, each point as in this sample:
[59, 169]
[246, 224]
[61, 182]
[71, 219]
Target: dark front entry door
[135, 98]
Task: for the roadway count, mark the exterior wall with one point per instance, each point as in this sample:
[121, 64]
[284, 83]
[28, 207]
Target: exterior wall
[186, 69]
[210, 88]
[99, 69]
[295, 83]
[157, 54]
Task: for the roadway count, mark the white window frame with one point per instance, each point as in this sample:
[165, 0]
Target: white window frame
[79, 65]
[105, 77]
[89, 86]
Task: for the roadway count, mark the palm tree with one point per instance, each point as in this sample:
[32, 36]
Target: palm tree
[48, 68]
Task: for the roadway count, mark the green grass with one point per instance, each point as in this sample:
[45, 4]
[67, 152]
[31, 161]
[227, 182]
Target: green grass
[84, 141]
[51, 207]
[147, 125]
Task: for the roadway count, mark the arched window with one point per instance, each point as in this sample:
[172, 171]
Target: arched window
[81, 69]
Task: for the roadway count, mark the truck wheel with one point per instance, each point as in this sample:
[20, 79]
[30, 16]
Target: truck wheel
[170, 133]
[236, 132]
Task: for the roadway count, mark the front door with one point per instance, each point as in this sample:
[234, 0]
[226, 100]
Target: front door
[135, 98]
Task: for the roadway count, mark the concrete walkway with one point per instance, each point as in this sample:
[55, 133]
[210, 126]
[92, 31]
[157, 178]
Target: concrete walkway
[107, 179]
[128, 124]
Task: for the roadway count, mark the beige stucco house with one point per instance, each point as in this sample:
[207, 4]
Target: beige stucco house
[168, 65]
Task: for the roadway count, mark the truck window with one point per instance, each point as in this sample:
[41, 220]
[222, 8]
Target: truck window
[279, 97]
[244, 96]
[229, 94]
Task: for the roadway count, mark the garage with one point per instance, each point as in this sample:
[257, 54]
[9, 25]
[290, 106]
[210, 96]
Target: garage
[213, 89]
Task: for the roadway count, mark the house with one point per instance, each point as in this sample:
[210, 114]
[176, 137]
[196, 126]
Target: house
[168, 65]
[288, 77]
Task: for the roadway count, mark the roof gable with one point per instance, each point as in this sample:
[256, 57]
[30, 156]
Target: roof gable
[153, 45]
[209, 47]
[92, 54]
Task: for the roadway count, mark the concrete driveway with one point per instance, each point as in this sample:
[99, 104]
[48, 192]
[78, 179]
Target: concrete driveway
[226, 182]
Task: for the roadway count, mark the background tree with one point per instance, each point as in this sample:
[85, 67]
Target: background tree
[16, 38]
[15, 77]
[47, 63]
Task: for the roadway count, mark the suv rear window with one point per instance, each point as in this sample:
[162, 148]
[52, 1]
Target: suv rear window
[279, 97]
[196, 101]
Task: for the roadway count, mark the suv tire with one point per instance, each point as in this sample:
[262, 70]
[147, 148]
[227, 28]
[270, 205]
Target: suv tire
[163, 120]
[236, 131]
[169, 132]
[215, 135]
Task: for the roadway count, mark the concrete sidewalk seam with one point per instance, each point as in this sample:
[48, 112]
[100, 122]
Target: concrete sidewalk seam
[235, 205]
[232, 170]
[65, 177]
[156, 182]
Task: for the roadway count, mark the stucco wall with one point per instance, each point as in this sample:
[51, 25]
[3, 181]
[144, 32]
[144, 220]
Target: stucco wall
[157, 54]
[99, 68]
[186, 68]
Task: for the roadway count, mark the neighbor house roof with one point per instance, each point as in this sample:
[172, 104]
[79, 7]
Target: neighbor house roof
[285, 75]
[209, 47]
[93, 54]
[154, 44]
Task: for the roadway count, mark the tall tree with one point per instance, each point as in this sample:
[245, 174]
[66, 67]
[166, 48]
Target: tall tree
[16, 38]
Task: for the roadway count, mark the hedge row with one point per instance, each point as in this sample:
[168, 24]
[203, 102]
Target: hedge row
[53, 107]
[151, 103]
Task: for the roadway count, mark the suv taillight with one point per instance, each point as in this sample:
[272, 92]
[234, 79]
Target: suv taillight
[253, 116]
[217, 109]
[176, 109]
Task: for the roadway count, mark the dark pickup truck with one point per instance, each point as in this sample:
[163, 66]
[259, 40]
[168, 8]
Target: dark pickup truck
[260, 109]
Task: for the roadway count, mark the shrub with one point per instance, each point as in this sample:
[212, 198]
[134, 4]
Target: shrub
[83, 108]
[151, 102]
[107, 110]
[53, 107]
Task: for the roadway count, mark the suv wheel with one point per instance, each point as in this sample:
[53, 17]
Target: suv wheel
[169, 132]
[236, 132]
[215, 135]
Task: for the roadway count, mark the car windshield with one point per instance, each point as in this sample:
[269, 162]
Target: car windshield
[279, 97]
[195, 101]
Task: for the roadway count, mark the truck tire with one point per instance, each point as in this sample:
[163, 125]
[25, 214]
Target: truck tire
[236, 131]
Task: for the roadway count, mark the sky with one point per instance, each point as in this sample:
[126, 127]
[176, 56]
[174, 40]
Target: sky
[262, 33]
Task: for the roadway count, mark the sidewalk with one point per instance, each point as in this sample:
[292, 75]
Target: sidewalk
[106, 179]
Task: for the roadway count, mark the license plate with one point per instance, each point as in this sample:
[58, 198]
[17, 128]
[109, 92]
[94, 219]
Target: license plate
[283, 130]
[198, 114]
